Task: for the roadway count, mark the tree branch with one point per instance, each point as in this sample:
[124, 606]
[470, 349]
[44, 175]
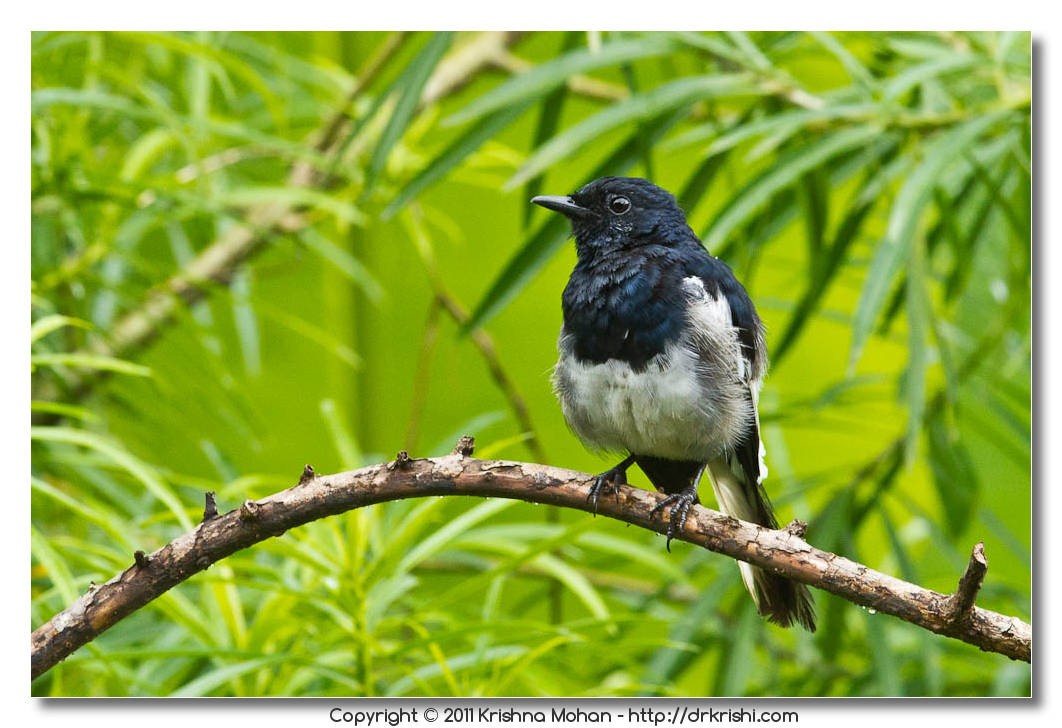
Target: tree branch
[782, 551]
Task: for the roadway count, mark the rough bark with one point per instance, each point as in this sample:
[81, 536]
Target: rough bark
[783, 551]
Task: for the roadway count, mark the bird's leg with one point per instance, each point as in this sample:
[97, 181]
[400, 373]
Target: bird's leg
[612, 478]
[680, 507]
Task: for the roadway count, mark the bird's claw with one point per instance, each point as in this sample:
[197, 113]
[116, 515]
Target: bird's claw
[676, 516]
[610, 479]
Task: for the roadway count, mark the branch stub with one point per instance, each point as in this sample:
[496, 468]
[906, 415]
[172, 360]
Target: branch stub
[465, 446]
[210, 508]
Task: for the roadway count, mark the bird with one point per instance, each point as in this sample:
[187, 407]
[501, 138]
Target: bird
[662, 356]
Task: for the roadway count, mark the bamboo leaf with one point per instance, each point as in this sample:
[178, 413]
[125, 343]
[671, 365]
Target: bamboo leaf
[654, 102]
[903, 220]
[826, 268]
[343, 261]
[455, 153]
[103, 517]
[121, 457]
[46, 325]
[784, 173]
[90, 361]
[816, 201]
[955, 477]
[344, 212]
[634, 552]
[438, 540]
[855, 68]
[886, 674]
[779, 125]
[230, 61]
[539, 81]
[63, 410]
[918, 330]
[246, 321]
[214, 679]
[499, 654]
[713, 45]
[667, 663]
[528, 260]
[576, 583]
[346, 445]
[54, 565]
[548, 120]
[901, 84]
[646, 152]
[409, 85]
[520, 666]
[736, 663]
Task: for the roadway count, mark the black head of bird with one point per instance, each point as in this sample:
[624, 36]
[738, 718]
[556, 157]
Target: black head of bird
[619, 213]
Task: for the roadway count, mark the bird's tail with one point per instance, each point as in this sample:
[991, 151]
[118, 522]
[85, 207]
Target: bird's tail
[779, 599]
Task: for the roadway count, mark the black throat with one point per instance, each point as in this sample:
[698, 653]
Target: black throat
[626, 305]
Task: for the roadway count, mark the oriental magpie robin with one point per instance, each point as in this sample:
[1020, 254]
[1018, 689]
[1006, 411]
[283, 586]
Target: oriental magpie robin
[662, 355]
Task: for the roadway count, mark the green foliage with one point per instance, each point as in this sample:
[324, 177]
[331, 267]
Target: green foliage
[871, 190]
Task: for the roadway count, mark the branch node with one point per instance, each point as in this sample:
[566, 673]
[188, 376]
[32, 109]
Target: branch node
[797, 528]
[210, 509]
[141, 560]
[307, 475]
[401, 461]
[465, 446]
[249, 511]
[961, 602]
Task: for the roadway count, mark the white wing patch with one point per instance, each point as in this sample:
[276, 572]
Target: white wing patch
[713, 321]
[712, 330]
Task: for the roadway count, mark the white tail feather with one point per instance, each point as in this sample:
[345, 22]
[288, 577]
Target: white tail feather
[730, 495]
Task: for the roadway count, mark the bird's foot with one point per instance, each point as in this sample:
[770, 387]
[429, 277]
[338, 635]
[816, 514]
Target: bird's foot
[676, 515]
[611, 479]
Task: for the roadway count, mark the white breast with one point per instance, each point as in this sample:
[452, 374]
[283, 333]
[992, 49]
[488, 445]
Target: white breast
[688, 403]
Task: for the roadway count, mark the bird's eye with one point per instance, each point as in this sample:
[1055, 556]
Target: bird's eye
[619, 205]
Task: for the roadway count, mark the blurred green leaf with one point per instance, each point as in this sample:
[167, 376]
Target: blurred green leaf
[855, 68]
[54, 566]
[44, 326]
[918, 329]
[548, 121]
[954, 475]
[826, 266]
[409, 84]
[736, 662]
[788, 170]
[543, 78]
[904, 217]
[453, 155]
[133, 465]
[641, 108]
[90, 361]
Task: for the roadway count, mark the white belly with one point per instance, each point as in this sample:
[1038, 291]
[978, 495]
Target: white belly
[671, 409]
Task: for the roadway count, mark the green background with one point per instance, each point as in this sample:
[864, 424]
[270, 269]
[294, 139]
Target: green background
[871, 190]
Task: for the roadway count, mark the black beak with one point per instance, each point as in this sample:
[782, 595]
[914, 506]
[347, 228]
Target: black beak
[562, 204]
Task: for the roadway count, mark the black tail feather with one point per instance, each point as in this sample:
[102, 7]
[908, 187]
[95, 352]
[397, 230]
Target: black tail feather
[783, 601]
